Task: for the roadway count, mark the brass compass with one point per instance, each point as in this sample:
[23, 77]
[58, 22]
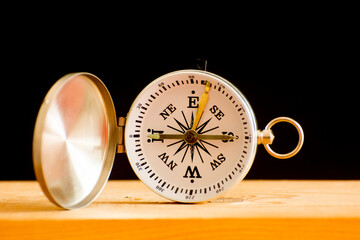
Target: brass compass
[190, 136]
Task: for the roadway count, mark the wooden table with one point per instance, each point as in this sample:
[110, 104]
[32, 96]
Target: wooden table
[255, 209]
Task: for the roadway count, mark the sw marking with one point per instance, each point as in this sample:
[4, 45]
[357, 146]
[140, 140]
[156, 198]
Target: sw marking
[217, 162]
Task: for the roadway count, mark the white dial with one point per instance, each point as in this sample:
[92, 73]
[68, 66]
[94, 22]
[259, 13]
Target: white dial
[189, 162]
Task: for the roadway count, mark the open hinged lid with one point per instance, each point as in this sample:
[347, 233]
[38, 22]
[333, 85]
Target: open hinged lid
[75, 140]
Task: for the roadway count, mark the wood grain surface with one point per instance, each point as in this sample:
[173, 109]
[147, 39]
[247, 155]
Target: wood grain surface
[254, 209]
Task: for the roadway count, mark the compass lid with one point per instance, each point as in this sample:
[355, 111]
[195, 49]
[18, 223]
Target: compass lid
[75, 140]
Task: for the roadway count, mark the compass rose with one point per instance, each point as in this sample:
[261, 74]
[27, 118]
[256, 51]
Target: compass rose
[185, 144]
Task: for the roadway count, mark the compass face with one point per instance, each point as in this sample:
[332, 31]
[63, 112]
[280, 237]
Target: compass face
[183, 162]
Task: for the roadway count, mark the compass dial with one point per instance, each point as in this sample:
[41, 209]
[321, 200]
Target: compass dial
[190, 135]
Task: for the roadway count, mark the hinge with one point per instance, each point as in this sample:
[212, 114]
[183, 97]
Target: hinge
[121, 125]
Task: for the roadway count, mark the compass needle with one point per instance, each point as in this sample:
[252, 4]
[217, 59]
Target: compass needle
[166, 136]
[202, 103]
[217, 137]
[154, 136]
[193, 135]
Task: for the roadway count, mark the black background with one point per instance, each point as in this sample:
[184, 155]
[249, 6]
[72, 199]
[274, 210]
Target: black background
[303, 70]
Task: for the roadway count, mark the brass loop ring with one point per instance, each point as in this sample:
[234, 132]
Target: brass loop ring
[299, 145]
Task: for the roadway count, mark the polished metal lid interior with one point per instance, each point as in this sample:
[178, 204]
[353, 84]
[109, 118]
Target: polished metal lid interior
[75, 140]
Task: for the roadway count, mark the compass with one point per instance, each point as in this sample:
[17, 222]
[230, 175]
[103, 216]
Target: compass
[190, 136]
